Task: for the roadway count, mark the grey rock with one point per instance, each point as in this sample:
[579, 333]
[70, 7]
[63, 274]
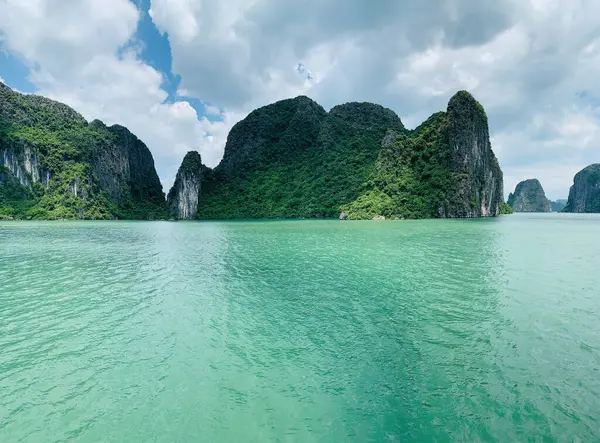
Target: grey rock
[184, 195]
[529, 196]
[584, 195]
[481, 186]
[343, 216]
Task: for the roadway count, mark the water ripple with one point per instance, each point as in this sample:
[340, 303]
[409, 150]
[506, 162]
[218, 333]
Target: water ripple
[300, 331]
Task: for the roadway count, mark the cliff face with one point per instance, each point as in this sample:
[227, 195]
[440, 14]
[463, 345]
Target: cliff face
[444, 168]
[480, 180]
[529, 196]
[584, 195]
[125, 168]
[72, 169]
[183, 196]
[24, 165]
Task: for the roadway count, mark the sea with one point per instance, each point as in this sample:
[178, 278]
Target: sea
[483, 330]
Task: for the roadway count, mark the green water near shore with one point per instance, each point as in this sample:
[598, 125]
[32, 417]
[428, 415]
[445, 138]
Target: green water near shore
[433, 330]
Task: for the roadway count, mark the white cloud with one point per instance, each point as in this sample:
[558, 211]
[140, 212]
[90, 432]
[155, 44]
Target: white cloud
[75, 52]
[526, 61]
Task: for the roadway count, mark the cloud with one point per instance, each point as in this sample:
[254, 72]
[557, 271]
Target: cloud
[533, 64]
[239, 53]
[83, 54]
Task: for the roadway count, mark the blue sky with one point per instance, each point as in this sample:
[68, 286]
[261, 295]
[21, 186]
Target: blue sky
[180, 73]
[14, 73]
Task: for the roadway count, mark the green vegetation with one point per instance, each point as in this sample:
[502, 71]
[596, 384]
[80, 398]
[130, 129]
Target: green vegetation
[293, 160]
[15, 200]
[505, 209]
[412, 177]
[51, 141]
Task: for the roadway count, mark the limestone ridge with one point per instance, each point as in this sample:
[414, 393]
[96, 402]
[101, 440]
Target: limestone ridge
[529, 196]
[183, 196]
[68, 168]
[584, 195]
[293, 159]
[290, 159]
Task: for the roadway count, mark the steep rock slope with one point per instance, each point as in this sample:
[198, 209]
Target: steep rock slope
[444, 168]
[183, 196]
[294, 159]
[529, 196]
[584, 195]
[56, 165]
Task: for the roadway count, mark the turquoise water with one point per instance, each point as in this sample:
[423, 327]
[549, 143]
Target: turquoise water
[301, 331]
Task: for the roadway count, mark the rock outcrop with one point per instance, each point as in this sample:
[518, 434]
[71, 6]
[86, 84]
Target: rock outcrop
[529, 196]
[183, 196]
[479, 177]
[584, 195]
[70, 168]
[444, 168]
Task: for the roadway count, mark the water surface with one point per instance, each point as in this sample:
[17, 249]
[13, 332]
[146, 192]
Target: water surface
[435, 330]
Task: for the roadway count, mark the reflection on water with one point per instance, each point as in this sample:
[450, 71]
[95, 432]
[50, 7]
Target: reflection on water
[300, 330]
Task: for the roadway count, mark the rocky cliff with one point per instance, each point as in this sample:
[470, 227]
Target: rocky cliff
[183, 196]
[584, 195]
[444, 168]
[529, 196]
[480, 184]
[69, 168]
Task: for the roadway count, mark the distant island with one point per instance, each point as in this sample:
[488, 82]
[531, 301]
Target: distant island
[290, 159]
[529, 196]
[559, 205]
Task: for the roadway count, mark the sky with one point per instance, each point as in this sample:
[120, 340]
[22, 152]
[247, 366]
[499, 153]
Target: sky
[180, 73]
